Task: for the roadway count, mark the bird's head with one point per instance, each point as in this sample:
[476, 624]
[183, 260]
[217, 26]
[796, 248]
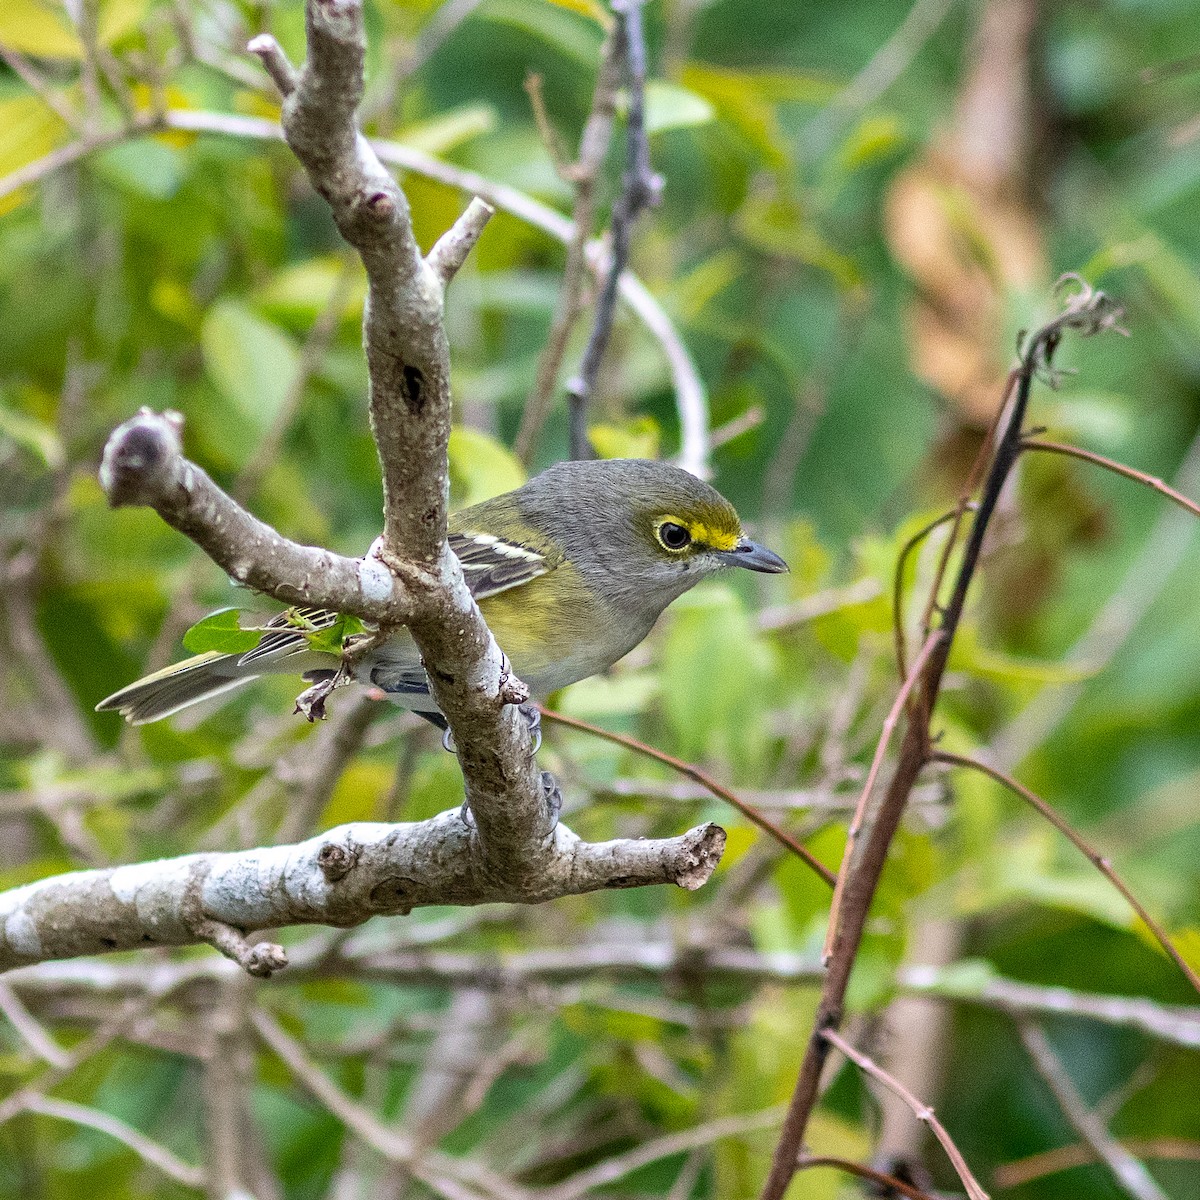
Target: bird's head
[641, 529]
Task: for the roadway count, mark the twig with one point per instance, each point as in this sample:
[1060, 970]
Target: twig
[860, 809]
[888, 1185]
[1143, 581]
[640, 189]
[443, 1174]
[35, 81]
[954, 514]
[341, 878]
[30, 1030]
[1129, 1173]
[583, 173]
[697, 776]
[1085, 312]
[1098, 860]
[588, 1181]
[1063, 1158]
[819, 604]
[145, 1148]
[1150, 481]
[923, 1112]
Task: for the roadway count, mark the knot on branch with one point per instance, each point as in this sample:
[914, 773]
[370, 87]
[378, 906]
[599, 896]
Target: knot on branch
[337, 861]
[138, 455]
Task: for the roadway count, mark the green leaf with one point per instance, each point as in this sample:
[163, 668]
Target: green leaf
[221, 632]
[332, 640]
[37, 27]
[38, 437]
[480, 468]
[669, 106]
[443, 133]
[146, 168]
[251, 361]
[638, 438]
[573, 36]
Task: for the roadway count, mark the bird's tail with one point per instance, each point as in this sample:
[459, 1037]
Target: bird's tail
[175, 687]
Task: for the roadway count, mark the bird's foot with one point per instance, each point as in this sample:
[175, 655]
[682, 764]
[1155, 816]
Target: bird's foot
[530, 714]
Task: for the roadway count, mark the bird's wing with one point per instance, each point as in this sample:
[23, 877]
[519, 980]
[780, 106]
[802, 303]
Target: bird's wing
[491, 564]
[283, 638]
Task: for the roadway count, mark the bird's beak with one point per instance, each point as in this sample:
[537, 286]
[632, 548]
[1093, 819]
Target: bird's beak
[754, 557]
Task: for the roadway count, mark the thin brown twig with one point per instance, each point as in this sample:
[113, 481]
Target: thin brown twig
[974, 478]
[860, 809]
[922, 1111]
[1129, 1173]
[1086, 312]
[954, 514]
[1150, 481]
[703, 779]
[1098, 860]
[888, 1183]
[1063, 1158]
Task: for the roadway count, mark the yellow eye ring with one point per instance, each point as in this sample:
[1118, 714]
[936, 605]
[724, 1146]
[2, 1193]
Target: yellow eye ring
[673, 537]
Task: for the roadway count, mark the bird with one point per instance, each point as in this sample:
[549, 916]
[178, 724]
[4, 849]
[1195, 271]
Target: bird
[571, 571]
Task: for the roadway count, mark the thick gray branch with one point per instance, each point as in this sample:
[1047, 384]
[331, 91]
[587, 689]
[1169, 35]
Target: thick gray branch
[409, 363]
[342, 878]
[144, 464]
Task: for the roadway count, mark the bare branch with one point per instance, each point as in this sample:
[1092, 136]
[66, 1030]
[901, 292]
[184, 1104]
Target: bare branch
[1150, 481]
[145, 1148]
[860, 809]
[342, 878]
[705, 780]
[275, 62]
[144, 464]
[640, 189]
[584, 173]
[887, 1184]
[1098, 860]
[29, 1029]
[588, 1181]
[923, 1112]
[1130, 1174]
[452, 248]
[1086, 312]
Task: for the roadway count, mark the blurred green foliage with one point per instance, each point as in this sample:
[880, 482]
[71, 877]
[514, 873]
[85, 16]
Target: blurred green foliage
[189, 271]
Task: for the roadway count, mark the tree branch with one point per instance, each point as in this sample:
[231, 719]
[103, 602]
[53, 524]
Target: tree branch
[342, 878]
[1130, 1174]
[1098, 860]
[1086, 312]
[923, 1112]
[640, 189]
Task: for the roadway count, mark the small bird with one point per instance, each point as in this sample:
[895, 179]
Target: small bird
[570, 571]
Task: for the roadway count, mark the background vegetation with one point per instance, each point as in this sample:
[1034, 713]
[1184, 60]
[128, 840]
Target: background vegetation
[849, 242]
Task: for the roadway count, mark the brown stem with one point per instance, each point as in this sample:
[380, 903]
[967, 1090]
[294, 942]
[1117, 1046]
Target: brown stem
[888, 1183]
[955, 514]
[1150, 481]
[704, 780]
[1087, 312]
[1098, 860]
[860, 809]
[922, 1111]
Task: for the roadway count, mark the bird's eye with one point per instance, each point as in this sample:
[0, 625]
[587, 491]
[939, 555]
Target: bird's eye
[673, 536]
